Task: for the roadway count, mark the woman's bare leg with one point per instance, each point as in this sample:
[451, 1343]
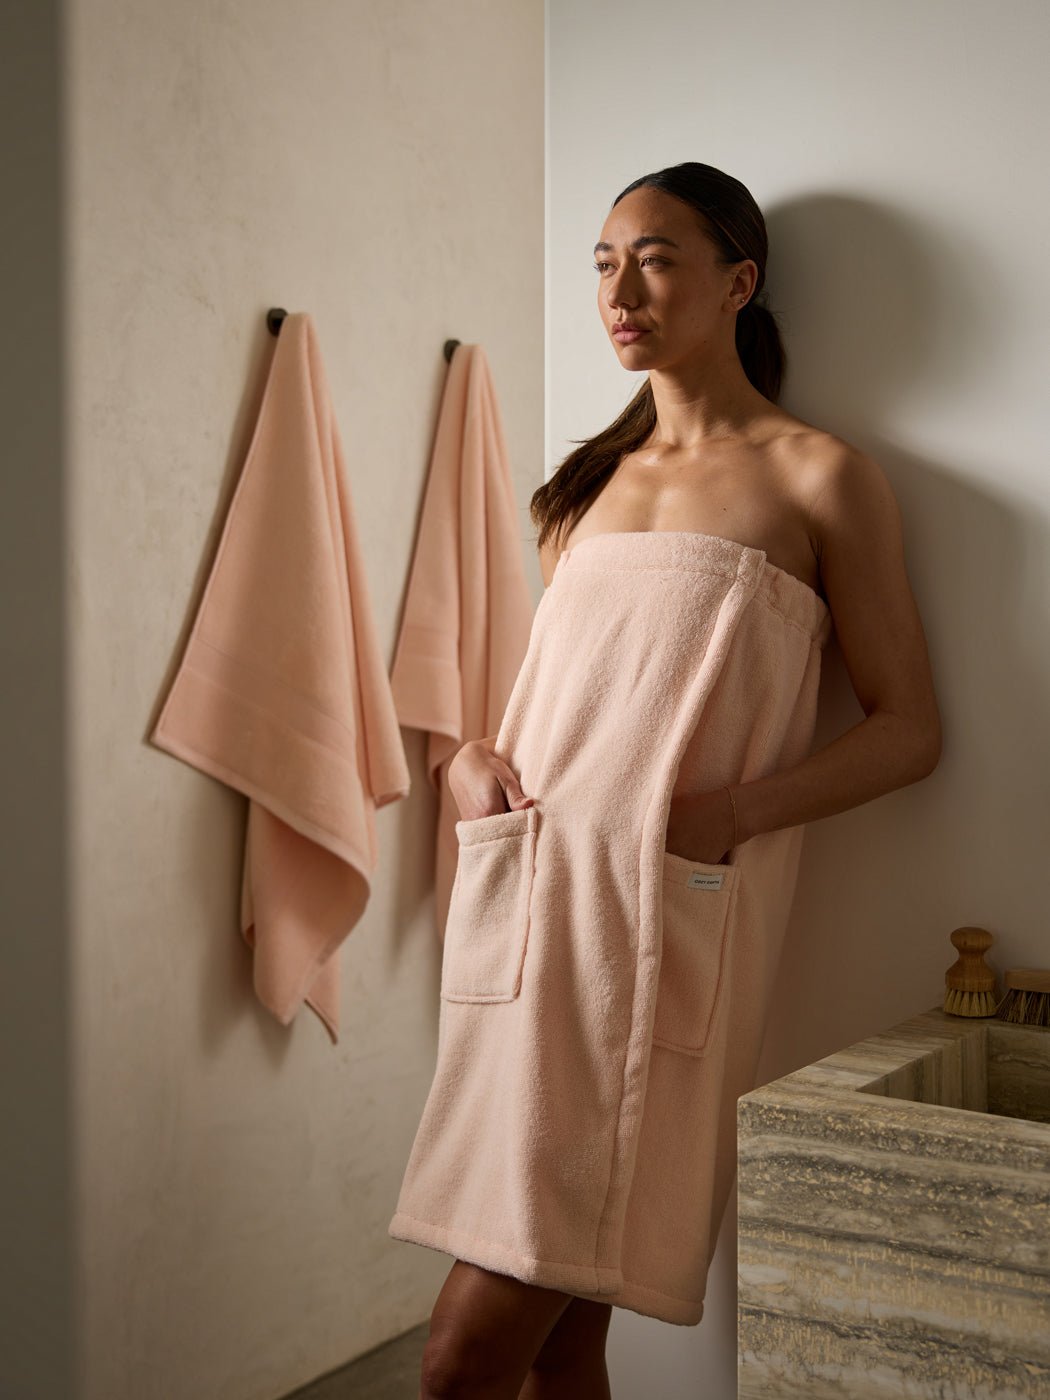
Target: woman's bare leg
[570, 1364]
[485, 1331]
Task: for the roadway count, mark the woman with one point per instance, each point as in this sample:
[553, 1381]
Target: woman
[695, 552]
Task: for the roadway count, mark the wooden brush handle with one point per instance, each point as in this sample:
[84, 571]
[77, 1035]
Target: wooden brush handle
[1027, 979]
[970, 972]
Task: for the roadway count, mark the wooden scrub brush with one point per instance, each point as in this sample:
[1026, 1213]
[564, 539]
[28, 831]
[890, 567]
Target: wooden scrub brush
[1027, 999]
[970, 982]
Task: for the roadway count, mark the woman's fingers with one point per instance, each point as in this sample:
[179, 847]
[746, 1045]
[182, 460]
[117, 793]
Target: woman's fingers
[512, 788]
[484, 784]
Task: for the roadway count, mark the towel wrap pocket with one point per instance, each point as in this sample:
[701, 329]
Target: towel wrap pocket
[697, 901]
[488, 916]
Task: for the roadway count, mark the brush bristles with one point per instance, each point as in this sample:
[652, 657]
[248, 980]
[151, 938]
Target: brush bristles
[959, 1003]
[1024, 1008]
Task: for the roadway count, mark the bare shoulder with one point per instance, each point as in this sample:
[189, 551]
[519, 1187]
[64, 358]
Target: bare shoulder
[842, 491]
[549, 554]
[858, 535]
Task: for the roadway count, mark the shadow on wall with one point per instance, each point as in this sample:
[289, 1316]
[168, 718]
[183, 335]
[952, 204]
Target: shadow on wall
[892, 321]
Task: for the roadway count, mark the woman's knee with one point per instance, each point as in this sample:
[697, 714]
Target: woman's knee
[576, 1339]
[485, 1329]
[454, 1368]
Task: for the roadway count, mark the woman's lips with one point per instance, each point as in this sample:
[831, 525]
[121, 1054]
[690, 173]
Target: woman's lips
[625, 337]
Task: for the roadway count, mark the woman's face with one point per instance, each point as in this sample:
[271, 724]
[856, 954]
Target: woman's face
[675, 290]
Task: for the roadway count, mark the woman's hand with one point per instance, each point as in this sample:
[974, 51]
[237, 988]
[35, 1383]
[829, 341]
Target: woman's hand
[700, 826]
[483, 784]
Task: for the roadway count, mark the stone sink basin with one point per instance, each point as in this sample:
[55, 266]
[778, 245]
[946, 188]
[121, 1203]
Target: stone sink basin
[894, 1219]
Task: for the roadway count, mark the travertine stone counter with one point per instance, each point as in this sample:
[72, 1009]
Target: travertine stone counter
[894, 1219]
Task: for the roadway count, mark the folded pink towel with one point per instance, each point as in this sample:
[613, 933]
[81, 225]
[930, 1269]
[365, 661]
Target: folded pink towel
[468, 610]
[282, 692]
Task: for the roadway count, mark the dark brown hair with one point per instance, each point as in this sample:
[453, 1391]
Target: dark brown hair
[733, 222]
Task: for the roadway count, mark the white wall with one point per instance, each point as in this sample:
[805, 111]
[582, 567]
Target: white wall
[380, 166]
[897, 151]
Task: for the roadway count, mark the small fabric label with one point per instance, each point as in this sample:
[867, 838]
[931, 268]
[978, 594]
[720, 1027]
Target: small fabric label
[704, 880]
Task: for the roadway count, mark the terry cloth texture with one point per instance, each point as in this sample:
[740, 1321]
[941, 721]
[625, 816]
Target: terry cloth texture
[602, 1000]
[283, 694]
[468, 611]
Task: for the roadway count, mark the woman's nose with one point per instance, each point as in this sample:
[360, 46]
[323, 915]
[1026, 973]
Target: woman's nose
[620, 291]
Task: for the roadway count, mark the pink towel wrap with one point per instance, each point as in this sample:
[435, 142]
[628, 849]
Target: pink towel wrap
[468, 610]
[603, 1000]
[282, 692]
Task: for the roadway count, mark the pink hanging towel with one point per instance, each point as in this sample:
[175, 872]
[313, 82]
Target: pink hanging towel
[603, 1000]
[468, 611]
[282, 692]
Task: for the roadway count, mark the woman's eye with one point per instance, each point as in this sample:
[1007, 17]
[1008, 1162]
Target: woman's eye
[649, 257]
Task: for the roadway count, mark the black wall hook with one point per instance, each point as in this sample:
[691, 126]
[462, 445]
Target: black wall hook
[450, 345]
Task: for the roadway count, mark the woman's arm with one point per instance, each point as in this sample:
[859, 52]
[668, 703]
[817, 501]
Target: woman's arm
[857, 533]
